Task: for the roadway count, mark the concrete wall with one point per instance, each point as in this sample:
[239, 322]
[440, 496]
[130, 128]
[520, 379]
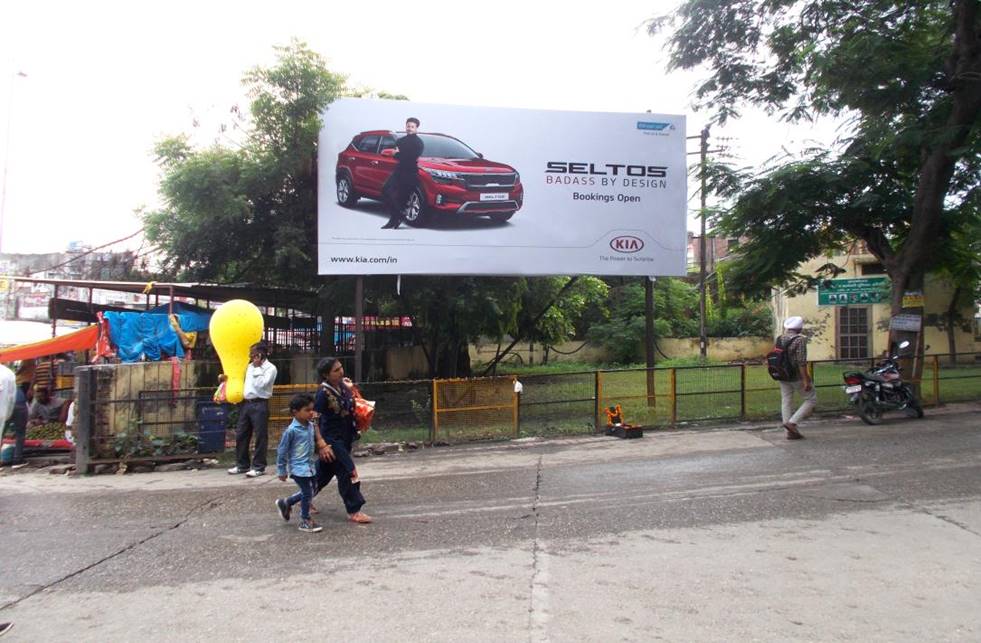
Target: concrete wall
[720, 349]
[406, 363]
[821, 320]
[131, 398]
[524, 354]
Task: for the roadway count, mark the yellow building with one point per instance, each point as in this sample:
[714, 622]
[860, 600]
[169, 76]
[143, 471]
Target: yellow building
[855, 324]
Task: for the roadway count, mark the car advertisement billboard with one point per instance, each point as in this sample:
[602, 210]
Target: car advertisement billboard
[495, 191]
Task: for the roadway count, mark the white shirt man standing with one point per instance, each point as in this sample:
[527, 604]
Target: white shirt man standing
[253, 416]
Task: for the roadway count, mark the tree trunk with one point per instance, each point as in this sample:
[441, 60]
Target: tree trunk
[912, 357]
[463, 361]
[951, 325]
[433, 352]
[939, 154]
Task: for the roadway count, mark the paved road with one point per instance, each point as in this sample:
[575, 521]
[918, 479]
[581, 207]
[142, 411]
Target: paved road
[857, 533]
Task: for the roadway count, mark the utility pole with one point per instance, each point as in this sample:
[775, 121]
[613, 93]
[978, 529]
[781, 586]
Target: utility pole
[702, 337]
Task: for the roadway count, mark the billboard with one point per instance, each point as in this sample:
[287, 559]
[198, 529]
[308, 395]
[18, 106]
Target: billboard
[500, 191]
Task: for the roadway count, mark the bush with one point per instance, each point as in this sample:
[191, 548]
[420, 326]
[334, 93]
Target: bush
[753, 321]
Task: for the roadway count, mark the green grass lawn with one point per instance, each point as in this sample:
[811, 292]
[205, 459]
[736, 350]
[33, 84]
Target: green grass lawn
[702, 393]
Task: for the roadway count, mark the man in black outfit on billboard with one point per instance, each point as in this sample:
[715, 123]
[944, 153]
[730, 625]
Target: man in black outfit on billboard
[405, 178]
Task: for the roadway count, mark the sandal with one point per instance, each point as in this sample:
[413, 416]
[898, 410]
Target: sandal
[360, 518]
[793, 433]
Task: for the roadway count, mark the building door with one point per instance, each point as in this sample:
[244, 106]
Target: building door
[854, 332]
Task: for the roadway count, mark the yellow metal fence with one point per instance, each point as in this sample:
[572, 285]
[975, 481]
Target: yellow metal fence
[460, 410]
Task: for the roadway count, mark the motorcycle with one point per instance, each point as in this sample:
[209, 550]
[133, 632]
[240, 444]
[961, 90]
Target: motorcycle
[881, 389]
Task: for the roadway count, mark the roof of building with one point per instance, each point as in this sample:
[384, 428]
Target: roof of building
[258, 295]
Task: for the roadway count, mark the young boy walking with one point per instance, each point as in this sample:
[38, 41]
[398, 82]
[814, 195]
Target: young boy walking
[297, 451]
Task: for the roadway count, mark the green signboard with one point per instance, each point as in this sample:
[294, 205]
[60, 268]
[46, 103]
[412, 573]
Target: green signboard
[853, 292]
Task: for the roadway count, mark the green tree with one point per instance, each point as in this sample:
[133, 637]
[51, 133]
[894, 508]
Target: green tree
[249, 213]
[960, 266]
[907, 76]
[558, 324]
[450, 313]
[675, 315]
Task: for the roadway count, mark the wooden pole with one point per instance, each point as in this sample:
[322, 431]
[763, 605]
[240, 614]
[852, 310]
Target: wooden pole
[702, 336]
[598, 402]
[742, 391]
[674, 396]
[54, 314]
[435, 424]
[358, 327]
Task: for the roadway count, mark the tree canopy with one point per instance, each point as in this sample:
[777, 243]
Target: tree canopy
[906, 77]
[249, 213]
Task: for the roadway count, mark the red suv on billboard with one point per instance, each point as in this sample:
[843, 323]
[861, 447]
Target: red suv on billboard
[453, 179]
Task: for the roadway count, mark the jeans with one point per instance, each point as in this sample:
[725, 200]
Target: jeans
[253, 416]
[19, 421]
[20, 432]
[342, 467]
[304, 496]
[787, 401]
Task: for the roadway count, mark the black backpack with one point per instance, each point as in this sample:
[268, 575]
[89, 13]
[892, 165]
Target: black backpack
[778, 362]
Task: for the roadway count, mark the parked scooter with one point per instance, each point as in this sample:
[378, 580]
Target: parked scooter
[881, 389]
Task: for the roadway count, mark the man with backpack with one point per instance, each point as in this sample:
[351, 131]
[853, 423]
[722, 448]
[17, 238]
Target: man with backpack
[797, 378]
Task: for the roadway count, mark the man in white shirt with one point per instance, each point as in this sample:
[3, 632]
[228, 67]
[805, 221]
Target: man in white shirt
[253, 414]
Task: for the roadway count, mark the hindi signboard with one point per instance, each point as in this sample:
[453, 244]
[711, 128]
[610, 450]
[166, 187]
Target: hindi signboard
[853, 292]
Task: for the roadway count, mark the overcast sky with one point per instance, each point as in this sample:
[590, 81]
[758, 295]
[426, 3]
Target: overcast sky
[105, 80]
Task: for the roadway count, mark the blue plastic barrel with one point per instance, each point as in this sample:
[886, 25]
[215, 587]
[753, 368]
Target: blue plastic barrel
[212, 419]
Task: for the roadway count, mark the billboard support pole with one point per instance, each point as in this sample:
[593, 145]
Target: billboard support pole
[358, 326]
[649, 336]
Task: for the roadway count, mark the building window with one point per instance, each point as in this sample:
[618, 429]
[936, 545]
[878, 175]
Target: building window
[873, 269]
[854, 336]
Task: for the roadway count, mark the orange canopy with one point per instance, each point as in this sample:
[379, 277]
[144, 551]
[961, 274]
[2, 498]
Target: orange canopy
[82, 340]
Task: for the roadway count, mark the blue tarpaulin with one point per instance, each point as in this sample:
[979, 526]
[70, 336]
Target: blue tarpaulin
[149, 334]
[191, 318]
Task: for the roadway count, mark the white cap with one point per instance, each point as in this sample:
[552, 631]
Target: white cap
[794, 323]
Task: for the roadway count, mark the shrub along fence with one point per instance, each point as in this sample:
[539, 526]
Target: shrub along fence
[159, 411]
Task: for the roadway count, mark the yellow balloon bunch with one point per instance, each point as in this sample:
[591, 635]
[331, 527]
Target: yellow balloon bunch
[235, 326]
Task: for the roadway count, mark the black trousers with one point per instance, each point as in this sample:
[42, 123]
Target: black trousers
[342, 468]
[396, 192]
[252, 417]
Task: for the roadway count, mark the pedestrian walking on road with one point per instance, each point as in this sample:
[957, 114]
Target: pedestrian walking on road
[795, 344]
[253, 415]
[297, 456]
[335, 404]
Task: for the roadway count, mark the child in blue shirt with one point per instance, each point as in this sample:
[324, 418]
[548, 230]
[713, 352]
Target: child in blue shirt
[297, 450]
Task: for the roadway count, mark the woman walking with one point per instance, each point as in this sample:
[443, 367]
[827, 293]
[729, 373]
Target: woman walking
[335, 404]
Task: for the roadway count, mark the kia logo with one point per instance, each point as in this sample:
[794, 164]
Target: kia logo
[627, 244]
